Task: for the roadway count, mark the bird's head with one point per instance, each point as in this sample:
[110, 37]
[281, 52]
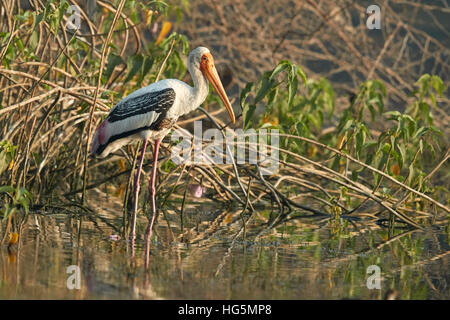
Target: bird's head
[202, 59]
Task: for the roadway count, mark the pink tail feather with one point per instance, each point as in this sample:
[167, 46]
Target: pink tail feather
[100, 137]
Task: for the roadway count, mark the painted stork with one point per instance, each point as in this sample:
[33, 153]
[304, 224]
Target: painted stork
[150, 112]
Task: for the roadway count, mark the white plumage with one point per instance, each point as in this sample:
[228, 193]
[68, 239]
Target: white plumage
[110, 136]
[150, 112]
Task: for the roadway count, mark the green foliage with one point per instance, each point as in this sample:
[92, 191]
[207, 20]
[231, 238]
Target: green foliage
[73, 60]
[16, 198]
[7, 152]
[268, 90]
[420, 108]
[398, 151]
[284, 98]
[283, 108]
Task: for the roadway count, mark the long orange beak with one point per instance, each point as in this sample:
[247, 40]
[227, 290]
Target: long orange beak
[209, 71]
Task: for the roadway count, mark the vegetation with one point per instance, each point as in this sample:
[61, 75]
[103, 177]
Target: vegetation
[363, 149]
[57, 83]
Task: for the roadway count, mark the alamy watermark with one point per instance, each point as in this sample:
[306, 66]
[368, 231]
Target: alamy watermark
[212, 146]
[374, 280]
[74, 18]
[74, 278]
[374, 19]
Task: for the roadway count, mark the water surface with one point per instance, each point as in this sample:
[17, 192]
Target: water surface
[308, 258]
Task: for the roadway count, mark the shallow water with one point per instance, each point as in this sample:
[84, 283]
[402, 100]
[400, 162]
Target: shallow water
[302, 259]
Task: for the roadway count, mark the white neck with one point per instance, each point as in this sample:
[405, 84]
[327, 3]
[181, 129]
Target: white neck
[200, 89]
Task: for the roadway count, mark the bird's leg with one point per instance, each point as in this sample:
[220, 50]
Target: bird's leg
[151, 189]
[136, 196]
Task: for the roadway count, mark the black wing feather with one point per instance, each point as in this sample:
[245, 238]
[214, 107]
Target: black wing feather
[157, 101]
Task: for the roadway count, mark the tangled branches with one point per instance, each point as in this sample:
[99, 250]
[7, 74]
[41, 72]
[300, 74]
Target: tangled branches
[329, 39]
[56, 84]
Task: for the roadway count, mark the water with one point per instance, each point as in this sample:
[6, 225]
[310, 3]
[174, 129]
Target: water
[306, 258]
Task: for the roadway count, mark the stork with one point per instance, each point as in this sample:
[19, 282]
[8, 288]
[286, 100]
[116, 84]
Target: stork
[150, 112]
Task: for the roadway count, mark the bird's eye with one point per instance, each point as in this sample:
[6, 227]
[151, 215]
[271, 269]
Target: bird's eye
[204, 58]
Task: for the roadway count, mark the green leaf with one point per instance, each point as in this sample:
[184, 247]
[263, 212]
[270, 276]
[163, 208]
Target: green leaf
[386, 148]
[411, 173]
[392, 115]
[271, 98]
[420, 132]
[20, 45]
[433, 100]
[383, 161]
[292, 89]
[134, 65]
[113, 61]
[360, 138]
[302, 74]
[372, 112]
[6, 189]
[148, 63]
[244, 95]
[438, 85]
[347, 125]
[266, 85]
[300, 127]
[24, 202]
[283, 65]
[369, 145]
[402, 152]
[247, 115]
[37, 18]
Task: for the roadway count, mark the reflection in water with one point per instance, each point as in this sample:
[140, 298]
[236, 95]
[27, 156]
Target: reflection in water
[300, 259]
